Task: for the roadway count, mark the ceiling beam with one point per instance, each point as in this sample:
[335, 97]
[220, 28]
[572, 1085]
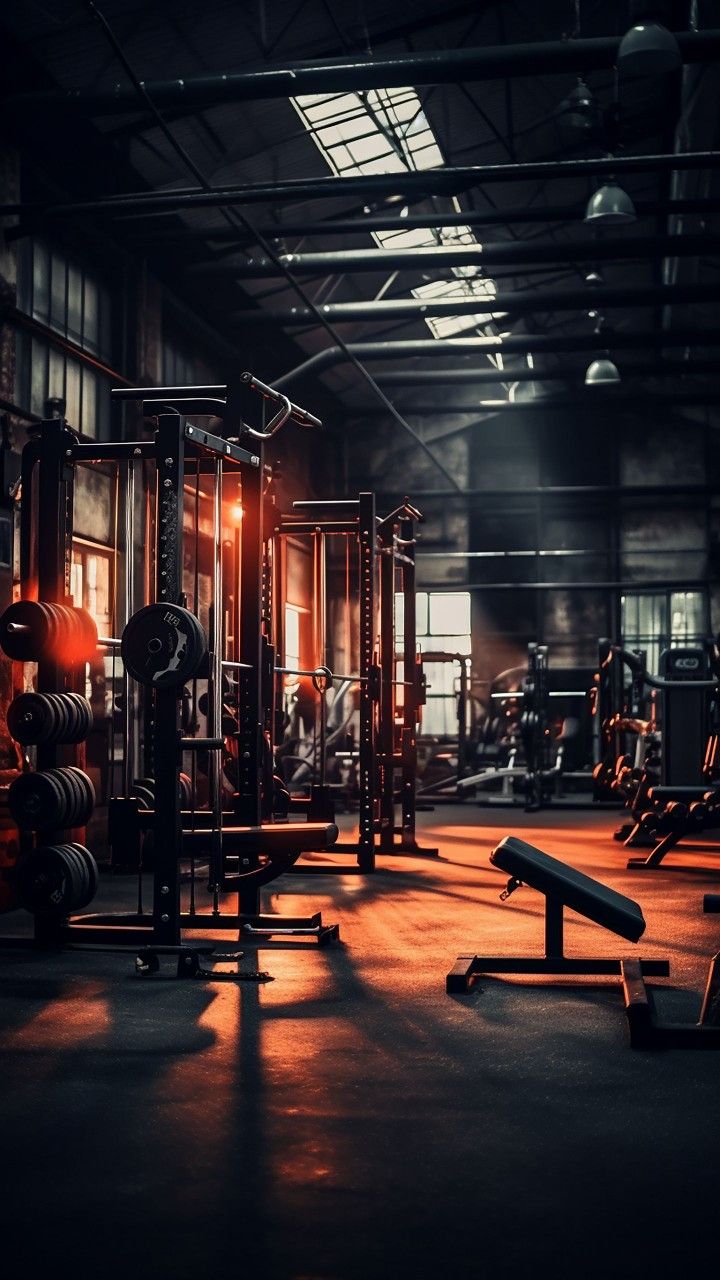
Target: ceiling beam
[415, 184]
[337, 75]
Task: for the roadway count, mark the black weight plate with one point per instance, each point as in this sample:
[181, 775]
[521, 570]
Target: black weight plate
[144, 797]
[81, 717]
[24, 646]
[31, 718]
[73, 792]
[92, 870]
[37, 801]
[163, 645]
[87, 792]
[89, 633]
[186, 791]
[62, 716]
[45, 882]
[81, 875]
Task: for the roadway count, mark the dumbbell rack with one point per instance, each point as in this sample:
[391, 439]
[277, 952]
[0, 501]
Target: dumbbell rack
[243, 856]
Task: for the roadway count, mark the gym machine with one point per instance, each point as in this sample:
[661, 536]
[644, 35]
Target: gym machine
[533, 755]
[385, 752]
[237, 848]
[672, 789]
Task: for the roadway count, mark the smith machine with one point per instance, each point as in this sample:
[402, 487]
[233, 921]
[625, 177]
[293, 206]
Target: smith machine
[391, 685]
[225, 848]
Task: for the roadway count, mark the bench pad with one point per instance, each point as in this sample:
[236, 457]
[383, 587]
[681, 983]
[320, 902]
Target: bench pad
[575, 890]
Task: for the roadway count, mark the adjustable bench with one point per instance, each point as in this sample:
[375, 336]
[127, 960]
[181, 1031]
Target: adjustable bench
[562, 886]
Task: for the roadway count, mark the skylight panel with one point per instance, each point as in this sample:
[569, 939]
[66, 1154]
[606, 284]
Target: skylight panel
[387, 131]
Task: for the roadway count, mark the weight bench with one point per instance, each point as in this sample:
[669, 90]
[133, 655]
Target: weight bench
[647, 1033]
[562, 886]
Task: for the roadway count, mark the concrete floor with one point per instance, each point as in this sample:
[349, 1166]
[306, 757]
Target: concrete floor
[350, 1120]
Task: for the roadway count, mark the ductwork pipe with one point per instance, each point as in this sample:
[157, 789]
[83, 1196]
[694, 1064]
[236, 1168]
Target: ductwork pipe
[416, 185]
[289, 80]
[514, 344]
[501, 253]
[412, 377]
[518, 302]
[363, 225]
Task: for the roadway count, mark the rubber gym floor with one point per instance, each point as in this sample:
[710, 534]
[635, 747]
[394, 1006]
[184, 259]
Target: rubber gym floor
[349, 1119]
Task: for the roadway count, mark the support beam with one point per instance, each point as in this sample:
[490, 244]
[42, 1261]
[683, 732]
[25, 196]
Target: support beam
[446, 66]
[448, 181]
[522, 344]
[517, 302]
[501, 253]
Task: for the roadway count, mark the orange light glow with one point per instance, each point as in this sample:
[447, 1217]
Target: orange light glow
[237, 513]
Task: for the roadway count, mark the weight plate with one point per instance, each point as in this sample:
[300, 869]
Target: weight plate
[29, 644]
[75, 797]
[92, 872]
[163, 645]
[62, 714]
[38, 801]
[80, 875]
[45, 882]
[86, 793]
[144, 796]
[31, 719]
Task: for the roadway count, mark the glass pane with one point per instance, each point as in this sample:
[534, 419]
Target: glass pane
[56, 376]
[75, 292]
[421, 606]
[38, 377]
[292, 636]
[88, 423]
[687, 615]
[41, 283]
[25, 276]
[72, 394]
[58, 293]
[91, 318]
[450, 613]
[6, 540]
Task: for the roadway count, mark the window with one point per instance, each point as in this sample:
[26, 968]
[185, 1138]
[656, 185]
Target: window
[91, 582]
[658, 620]
[64, 297]
[387, 131]
[442, 626]
[6, 540]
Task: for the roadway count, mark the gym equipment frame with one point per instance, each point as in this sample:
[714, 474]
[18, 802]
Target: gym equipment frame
[245, 852]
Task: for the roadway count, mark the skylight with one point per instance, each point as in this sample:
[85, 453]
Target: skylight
[387, 131]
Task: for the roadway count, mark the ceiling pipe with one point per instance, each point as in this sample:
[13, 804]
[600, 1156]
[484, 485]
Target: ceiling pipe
[447, 181]
[517, 302]
[412, 377]
[514, 344]
[500, 253]
[446, 66]
[582, 398]
[363, 225]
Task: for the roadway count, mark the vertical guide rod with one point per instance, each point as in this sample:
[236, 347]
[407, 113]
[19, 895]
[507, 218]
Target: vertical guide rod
[215, 700]
[128, 686]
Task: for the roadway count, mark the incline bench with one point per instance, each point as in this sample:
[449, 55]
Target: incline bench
[562, 887]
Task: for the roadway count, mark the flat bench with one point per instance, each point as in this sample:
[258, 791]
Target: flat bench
[562, 886]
